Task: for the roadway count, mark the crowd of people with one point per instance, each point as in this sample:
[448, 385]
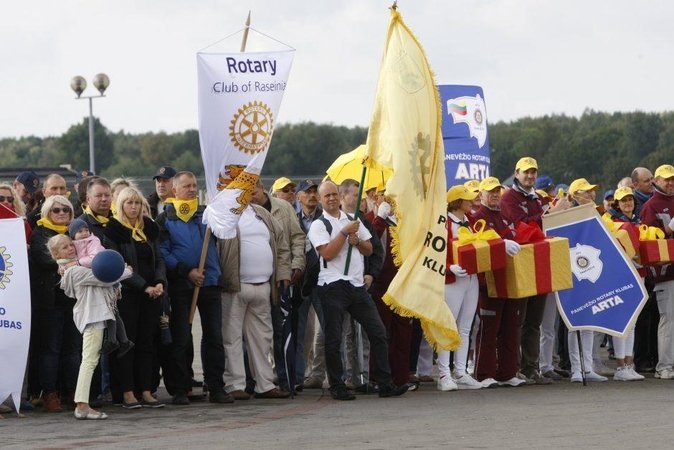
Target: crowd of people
[300, 240]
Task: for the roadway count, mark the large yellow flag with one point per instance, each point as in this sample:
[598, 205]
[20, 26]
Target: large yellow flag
[405, 135]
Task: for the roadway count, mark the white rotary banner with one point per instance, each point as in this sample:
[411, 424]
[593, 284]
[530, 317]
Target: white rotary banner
[239, 98]
[14, 308]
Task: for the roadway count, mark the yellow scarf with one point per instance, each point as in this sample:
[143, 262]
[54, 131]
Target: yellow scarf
[185, 209]
[113, 209]
[136, 231]
[60, 229]
[100, 219]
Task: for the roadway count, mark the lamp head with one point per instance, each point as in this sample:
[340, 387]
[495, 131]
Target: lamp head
[78, 84]
[101, 82]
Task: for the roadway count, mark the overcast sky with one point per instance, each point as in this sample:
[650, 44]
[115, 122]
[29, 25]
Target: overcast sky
[531, 57]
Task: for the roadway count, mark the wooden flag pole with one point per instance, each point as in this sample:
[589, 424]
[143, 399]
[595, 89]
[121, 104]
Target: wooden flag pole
[207, 237]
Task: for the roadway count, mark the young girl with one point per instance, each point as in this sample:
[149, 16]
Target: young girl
[88, 246]
[92, 310]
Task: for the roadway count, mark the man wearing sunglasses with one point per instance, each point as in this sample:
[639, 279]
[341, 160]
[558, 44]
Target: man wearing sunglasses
[285, 189]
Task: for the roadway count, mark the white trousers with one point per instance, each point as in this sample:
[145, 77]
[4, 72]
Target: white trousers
[461, 297]
[548, 334]
[587, 337]
[247, 315]
[624, 346]
[92, 340]
[665, 295]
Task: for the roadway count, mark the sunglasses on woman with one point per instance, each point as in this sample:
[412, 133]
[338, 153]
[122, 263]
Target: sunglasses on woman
[65, 210]
[9, 199]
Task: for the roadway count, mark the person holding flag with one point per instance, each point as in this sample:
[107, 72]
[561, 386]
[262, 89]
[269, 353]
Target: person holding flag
[341, 289]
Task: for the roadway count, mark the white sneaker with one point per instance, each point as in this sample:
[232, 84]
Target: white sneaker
[593, 376]
[470, 367]
[623, 374]
[489, 383]
[603, 369]
[665, 374]
[446, 383]
[467, 382]
[577, 377]
[635, 376]
[514, 382]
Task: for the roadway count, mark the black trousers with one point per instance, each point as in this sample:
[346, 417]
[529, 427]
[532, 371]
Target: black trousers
[336, 299]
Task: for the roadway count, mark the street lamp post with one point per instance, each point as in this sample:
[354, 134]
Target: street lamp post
[79, 84]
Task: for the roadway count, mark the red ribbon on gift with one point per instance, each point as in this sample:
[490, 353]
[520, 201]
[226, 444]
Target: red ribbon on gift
[527, 233]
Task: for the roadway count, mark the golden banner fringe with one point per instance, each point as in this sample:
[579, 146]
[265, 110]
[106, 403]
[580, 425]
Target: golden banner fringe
[452, 335]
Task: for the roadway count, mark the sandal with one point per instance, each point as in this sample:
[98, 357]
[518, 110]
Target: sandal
[89, 415]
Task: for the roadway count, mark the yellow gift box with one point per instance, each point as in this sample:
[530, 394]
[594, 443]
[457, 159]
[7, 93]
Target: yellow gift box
[478, 252]
[538, 268]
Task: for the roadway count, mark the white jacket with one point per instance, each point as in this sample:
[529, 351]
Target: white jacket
[95, 300]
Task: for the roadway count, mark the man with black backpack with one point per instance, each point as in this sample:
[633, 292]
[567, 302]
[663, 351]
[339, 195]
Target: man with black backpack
[341, 289]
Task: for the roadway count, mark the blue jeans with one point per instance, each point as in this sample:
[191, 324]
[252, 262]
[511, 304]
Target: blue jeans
[302, 316]
[178, 377]
[60, 349]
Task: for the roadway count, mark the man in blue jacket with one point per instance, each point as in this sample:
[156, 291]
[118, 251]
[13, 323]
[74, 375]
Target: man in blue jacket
[182, 236]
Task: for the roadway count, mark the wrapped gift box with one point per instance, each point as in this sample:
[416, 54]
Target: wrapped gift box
[538, 268]
[628, 237]
[479, 256]
[657, 252]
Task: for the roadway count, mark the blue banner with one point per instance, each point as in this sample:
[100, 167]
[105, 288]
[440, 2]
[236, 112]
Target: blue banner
[607, 292]
[465, 133]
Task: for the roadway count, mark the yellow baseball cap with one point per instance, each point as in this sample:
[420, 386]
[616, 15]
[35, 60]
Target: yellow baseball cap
[581, 184]
[472, 185]
[281, 183]
[490, 183]
[526, 163]
[623, 192]
[664, 171]
[542, 193]
[460, 192]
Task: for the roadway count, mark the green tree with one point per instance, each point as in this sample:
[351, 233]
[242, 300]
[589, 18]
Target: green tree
[73, 146]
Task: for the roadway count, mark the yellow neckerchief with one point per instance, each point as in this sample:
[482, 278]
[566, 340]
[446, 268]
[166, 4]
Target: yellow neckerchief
[100, 219]
[113, 209]
[136, 231]
[60, 229]
[185, 209]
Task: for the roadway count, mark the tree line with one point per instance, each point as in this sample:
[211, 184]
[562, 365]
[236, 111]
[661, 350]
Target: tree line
[602, 147]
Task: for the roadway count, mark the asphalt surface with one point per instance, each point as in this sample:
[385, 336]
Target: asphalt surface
[607, 415]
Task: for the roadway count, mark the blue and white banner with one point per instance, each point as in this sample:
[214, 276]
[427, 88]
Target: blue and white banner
[465, 133]
[607, 293]
[14, 308]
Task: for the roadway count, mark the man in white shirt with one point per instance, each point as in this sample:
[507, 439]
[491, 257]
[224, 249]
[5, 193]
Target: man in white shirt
[341, 289]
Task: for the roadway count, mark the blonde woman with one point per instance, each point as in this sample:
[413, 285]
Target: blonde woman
[135, 237]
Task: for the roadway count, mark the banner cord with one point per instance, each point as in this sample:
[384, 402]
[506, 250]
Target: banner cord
[242, 29]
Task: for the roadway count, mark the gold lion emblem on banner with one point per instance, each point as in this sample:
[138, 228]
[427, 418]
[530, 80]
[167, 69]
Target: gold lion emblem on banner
[234, 177]
[251, 127]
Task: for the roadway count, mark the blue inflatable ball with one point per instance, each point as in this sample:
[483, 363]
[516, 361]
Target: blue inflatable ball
[108, 266]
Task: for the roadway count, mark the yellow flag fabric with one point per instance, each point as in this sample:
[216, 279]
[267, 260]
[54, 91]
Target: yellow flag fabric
[405, 136]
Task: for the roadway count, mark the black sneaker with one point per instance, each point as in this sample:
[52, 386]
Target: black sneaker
[367, 388]
[391, 390]
[180, 400]
[220, 397]
[108, 347]
[341, 393]
[124, 348]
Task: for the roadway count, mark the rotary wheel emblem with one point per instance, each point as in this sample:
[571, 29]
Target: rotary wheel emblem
[184, 208]
[251, 127]
[582, 262]
[4, 267]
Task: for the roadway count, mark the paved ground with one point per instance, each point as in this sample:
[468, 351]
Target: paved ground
[612, 415]
[601, 415]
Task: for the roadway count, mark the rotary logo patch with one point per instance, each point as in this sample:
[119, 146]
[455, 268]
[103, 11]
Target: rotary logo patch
[251, 127]
[5, 265]
[585, 262]
[184, 208]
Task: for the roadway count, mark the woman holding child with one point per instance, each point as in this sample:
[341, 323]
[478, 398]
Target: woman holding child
[135, 237]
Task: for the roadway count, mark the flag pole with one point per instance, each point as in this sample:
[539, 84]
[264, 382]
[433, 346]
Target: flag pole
[207, 237]
[355, 217]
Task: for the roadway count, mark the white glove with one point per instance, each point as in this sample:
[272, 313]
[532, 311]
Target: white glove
[512, 247]
[458, 270]
[384, 210]
[671, 225]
